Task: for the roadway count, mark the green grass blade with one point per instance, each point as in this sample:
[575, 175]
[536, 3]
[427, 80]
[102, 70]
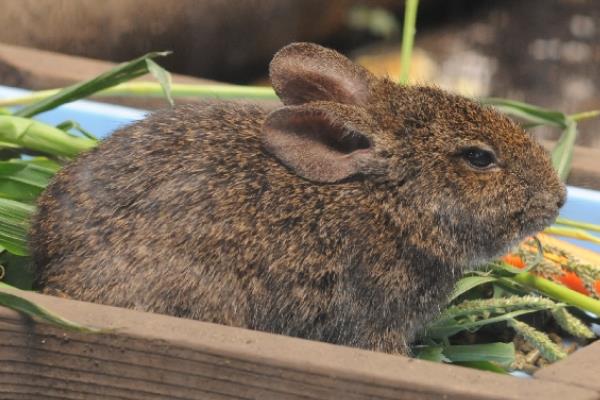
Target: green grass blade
[585, 115]
[163, 77]
[562, 153]
[153, 89]
[431, 353]
[121, 73]
[31, 309]
[14, 224]
[530, 113]
[500, 353]
[43, 162]
[35, 135]
[558, 292]
[70, 124]
[408, 37]
[574, 233]
[578, 224]
[468, 283]
[23, 180]
[449, 328]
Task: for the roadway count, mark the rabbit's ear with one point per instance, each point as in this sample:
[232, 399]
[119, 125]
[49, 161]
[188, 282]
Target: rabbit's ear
[317, 144]
[304, 72]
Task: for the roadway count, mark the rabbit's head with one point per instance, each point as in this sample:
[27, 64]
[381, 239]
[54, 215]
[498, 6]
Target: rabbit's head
[467, 180]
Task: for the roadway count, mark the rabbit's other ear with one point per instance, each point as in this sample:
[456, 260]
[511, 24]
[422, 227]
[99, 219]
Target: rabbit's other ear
[304, 72]
[319, 144]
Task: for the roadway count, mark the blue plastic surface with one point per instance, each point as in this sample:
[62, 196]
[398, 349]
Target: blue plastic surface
[101, 119]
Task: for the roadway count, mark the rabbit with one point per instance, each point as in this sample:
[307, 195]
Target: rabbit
[346, 215]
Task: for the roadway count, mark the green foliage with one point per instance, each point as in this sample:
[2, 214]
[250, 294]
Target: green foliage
[539, 339]
[14, 223]
[28, 134]
[511, 293]
[13, 301]
[121, 73]
[569, 323]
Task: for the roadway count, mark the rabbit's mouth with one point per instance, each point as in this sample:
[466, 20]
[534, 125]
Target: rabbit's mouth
[535, 218]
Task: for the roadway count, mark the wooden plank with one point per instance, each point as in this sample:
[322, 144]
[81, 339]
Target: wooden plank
[581, 368]
[148, 356]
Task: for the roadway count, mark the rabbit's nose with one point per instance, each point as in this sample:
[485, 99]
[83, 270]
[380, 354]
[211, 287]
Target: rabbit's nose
[562, 197]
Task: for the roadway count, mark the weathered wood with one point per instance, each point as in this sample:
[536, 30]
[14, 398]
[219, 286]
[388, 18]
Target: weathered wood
[148, 356]
[581, 368]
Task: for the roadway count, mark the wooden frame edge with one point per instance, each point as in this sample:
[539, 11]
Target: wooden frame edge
[148, 356]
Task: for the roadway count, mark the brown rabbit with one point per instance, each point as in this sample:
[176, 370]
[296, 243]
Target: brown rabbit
[345, 216]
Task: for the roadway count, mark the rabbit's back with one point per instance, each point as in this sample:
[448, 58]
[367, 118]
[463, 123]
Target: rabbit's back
[149, 189]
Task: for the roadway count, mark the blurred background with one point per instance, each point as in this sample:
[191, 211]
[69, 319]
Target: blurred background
[545, 52]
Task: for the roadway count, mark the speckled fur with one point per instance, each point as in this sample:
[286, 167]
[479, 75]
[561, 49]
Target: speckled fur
[185, 213]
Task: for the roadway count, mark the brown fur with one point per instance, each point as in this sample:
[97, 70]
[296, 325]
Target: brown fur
[195, 211]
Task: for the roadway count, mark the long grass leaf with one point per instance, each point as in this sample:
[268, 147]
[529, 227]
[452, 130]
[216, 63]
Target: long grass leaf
[500, 353]
[70, 124]
[35, 135]
[578, 224]
[163, 77]
[408, 37]
[562, 153]
[530, 113]
[14, 223]
[22, 180]
[558, 292]
[153, 89]
[573, 233]
[431, 353]
[468, 283]
[33, 310]
[449, 328]
[120, 73]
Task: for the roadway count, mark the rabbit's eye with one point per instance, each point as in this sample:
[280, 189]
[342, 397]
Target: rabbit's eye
[479, 158]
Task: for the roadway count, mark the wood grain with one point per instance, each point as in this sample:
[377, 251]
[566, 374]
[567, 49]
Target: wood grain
[581, 368]
[148, 356]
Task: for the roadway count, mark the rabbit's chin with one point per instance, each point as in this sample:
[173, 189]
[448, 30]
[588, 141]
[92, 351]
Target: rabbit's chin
[481, 260]
[536, 221]
[532, 225]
